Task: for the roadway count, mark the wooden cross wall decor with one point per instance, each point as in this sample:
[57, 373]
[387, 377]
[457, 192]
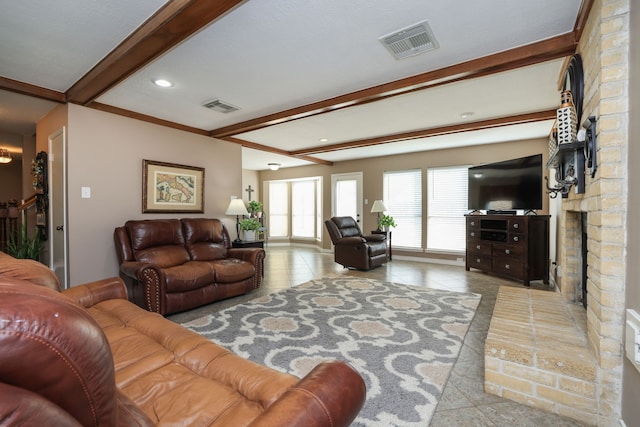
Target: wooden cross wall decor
[249, 190]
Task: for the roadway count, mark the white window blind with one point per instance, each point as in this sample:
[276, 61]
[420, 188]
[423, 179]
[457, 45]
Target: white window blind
[278, 209]
[403, 200]
[303, 206]
[446, 207]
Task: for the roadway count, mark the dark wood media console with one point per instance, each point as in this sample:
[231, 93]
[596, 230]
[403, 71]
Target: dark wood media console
[514, 246]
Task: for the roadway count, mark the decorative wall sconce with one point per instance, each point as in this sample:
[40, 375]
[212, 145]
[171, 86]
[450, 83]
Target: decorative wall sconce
[570, 159]
[571, 148]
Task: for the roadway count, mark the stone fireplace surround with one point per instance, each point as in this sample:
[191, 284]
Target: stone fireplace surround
[598, 330]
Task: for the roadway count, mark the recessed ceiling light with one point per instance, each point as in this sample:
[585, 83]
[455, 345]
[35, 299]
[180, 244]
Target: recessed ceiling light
[466, 115]
[323, 140]
[163, 83]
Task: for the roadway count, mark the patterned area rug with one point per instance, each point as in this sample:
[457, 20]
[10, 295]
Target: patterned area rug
[402, 339]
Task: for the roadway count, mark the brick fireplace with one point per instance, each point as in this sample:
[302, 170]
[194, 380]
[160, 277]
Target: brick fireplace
[522, 360]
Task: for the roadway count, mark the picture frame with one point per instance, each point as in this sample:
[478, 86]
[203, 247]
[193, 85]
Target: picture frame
[172, 188]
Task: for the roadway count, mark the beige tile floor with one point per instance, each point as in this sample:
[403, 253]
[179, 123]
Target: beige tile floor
[463, 402]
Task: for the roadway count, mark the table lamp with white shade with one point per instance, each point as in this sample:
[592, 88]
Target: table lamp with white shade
[378, 207]
[237, 208]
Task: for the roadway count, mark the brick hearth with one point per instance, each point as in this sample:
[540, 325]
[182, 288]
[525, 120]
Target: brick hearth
[536, 353]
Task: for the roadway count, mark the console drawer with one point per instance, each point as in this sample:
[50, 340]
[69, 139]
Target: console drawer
[508, 251]
[508, 267]
[517, 225]
[482, 262]
[517, 239]
[478, 246]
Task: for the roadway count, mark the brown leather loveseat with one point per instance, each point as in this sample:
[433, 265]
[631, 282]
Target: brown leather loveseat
[90, 357]
[172, 265]
[353, 249]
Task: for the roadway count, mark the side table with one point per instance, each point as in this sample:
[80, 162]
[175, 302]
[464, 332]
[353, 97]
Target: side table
[248, 244]
[388, 236]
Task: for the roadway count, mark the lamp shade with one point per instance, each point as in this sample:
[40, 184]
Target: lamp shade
[237, 207]
[378, 206]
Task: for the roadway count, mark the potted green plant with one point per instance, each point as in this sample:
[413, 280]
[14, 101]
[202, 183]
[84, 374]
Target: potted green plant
[23, 246]
[255, 208]
[386, 221]
[249, 226]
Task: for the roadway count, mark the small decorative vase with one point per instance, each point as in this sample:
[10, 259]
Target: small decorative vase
[250, 235]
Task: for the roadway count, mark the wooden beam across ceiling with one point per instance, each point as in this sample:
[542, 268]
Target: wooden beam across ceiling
[256, 146]
[173, 23]
[31, 90]
[546, 50]
[425, 133]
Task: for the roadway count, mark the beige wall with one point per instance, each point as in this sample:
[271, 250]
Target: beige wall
[11, 173]
[374, 168]
[105, 153]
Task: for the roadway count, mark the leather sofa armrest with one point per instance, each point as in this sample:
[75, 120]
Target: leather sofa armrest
[353, 240]
[375, 238]
[245, 254]
[146, 285]
[331, 394]
[89, 294]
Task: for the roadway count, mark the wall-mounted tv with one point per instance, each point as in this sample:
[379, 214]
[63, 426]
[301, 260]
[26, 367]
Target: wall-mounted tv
[506, 186]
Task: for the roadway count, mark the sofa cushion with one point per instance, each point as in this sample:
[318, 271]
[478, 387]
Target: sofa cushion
[158, 241]
[181, 378]
[204, 238]
[231, 270]
[188, 276]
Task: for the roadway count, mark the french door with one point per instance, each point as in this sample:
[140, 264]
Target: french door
[346, 195]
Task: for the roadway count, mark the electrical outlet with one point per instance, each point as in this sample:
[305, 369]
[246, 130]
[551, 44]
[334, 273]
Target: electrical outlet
[632, 338]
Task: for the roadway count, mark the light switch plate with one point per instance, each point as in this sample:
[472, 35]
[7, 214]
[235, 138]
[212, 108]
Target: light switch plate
[86, 192]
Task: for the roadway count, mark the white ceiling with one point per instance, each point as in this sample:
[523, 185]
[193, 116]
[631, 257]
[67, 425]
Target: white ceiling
[266, 56]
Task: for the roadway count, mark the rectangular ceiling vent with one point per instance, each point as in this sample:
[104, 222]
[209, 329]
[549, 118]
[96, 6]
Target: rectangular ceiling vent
[410, 41]
[221, 106]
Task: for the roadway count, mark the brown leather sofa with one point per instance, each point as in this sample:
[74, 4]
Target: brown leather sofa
[352, 248]
[90, 357]
[172, 265]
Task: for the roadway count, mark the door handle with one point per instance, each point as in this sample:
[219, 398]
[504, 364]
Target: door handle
[60, 227]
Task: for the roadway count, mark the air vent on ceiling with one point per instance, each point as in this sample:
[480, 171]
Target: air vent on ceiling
[410, 41]
[221, 106]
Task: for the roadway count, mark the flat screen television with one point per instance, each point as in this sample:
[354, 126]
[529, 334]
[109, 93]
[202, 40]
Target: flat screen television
[506, 186]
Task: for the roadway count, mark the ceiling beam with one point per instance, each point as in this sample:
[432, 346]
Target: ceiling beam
[437, 131]
[31, 90]
[546, 50]
[146, 118]
[581, 19]
[166, 123]
[256, 146]
[173, 23]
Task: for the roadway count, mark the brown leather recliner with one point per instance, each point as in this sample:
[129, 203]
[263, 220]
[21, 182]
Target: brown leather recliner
[352, 248]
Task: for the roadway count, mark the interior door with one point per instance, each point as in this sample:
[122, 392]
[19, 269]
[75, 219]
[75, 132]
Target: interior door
[346, 195]
[58, 241]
